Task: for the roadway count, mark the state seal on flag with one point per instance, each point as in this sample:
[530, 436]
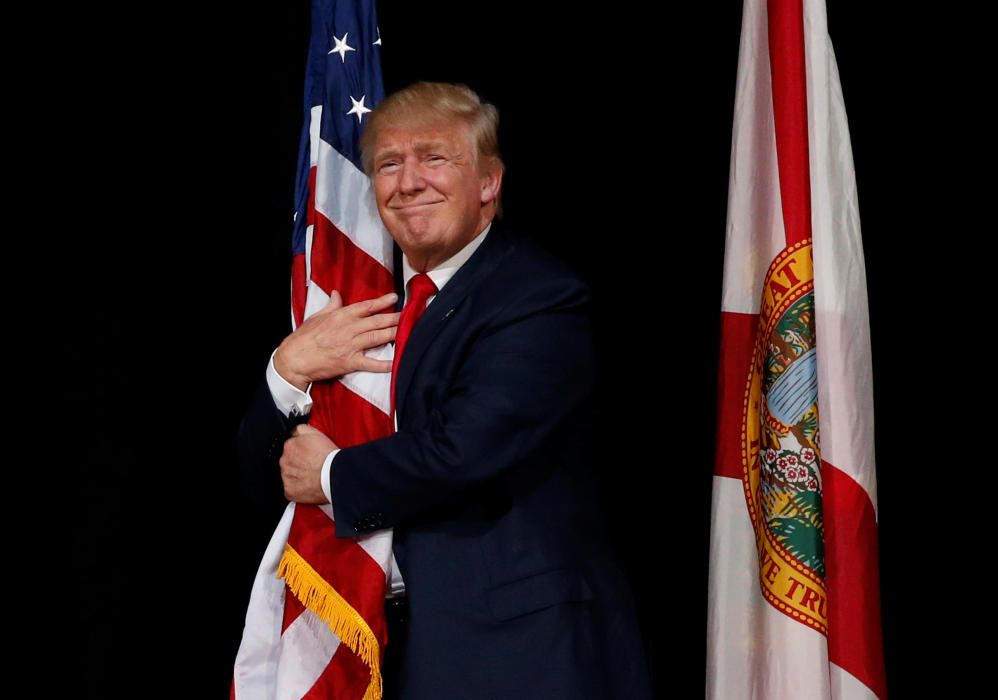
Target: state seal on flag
[780, 442]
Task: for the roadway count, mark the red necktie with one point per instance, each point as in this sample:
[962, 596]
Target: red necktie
[421, 288]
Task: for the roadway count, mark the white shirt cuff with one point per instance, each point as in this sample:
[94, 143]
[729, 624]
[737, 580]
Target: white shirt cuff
[324, 476]
[288, 398]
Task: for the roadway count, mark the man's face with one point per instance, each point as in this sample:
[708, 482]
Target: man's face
[429, 190]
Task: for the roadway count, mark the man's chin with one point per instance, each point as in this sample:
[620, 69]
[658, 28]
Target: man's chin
[416, 244]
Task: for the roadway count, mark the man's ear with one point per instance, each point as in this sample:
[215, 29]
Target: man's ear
[491, 183]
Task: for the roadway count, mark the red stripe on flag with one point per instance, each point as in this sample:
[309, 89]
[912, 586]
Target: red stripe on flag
[299, 281]
[853, 579]
[292, 609]
[367, 422]
[343, 564]
[786, 61]
[299, 288]
[337, 263]
[737, 341]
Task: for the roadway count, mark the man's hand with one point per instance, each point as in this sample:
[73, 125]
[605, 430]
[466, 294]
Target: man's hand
[331, 342]
[301, 464]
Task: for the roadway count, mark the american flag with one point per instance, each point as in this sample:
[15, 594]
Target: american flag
[319, 631]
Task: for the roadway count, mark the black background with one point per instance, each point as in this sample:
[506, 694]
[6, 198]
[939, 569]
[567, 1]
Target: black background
[615, 127]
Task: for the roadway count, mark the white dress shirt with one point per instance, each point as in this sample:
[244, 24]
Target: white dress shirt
[290, 399]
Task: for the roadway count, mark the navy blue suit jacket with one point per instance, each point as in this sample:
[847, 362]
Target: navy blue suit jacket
[511, 583]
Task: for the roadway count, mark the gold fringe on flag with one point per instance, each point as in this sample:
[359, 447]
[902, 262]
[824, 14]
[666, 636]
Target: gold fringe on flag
[317, 595]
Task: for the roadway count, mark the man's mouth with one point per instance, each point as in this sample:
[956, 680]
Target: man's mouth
[417, 206]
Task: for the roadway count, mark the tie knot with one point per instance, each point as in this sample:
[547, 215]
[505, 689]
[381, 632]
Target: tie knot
[421, 288]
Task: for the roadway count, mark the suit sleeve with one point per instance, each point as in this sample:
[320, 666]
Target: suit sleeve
[259, 443]
[522, 379]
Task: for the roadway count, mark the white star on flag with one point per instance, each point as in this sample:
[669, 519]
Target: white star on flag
[378, 42]
[341, 47]
[358, 107]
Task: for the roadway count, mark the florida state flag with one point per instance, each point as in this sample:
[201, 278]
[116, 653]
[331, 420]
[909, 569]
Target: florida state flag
[794, 607]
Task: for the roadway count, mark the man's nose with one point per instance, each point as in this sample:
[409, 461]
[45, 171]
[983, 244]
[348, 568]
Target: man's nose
[411, 179]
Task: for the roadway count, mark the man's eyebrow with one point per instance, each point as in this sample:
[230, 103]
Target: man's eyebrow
[421, 146]
[387, 153]
[428, 145]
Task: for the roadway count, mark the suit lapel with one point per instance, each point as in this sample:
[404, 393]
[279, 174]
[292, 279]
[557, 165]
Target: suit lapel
[427, 329]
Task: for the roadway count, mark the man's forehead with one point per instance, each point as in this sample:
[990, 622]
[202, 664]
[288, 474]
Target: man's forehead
[450, 135]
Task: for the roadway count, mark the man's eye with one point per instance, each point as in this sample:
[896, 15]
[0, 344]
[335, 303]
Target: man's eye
[387, 166]
[436, 159]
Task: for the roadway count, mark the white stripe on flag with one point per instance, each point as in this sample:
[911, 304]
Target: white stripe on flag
[741, 624]
[373, 387]
[308, 646]
[755, 213]
[315, 299]
[845, 375]
[343, 195]
[314, 128]
[309, 238]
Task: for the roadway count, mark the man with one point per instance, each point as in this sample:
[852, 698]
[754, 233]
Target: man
[507, 573]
